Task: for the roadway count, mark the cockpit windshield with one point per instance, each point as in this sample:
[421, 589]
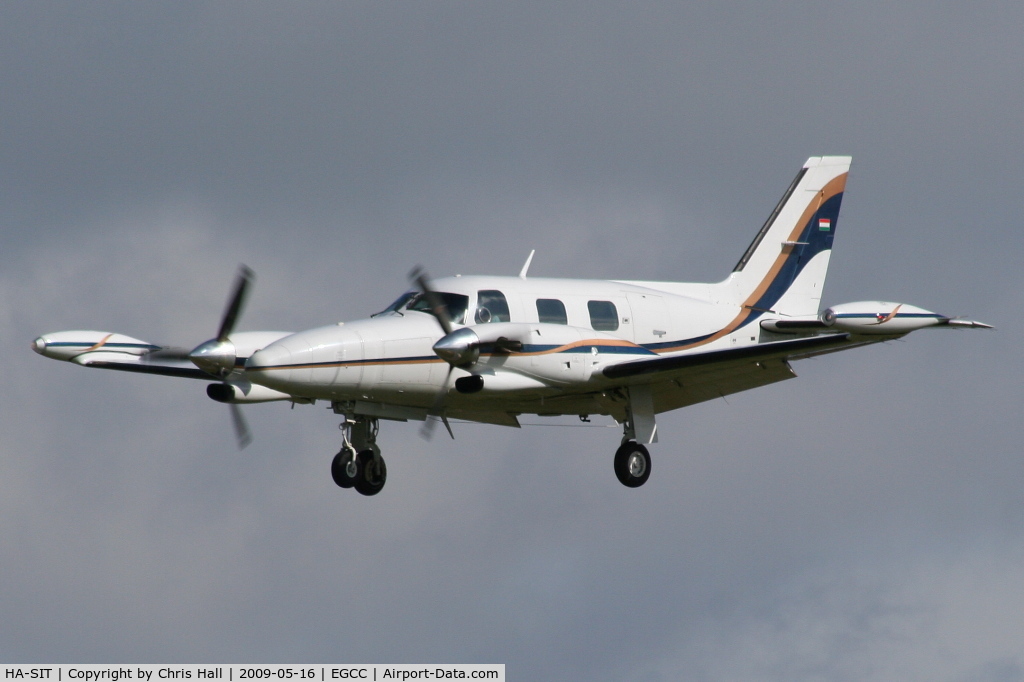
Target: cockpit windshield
[456, 304]
[399, 302]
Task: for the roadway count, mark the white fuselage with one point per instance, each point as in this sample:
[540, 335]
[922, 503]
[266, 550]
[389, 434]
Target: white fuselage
[570, 330]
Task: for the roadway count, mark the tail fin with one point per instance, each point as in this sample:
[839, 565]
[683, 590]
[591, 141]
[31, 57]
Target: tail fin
[783, 270]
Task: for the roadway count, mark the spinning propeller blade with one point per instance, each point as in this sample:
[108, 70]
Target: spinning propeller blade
[236, 303]
[242, 432]
[437, 409]
[437, 308]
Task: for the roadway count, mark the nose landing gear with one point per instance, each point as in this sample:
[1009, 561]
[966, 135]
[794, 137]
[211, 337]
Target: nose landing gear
[344, 468]
[372, 472]
[359, 463]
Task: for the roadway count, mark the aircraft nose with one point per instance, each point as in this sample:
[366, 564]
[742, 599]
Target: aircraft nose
[279, 367]
[39, 345]
[274, 356]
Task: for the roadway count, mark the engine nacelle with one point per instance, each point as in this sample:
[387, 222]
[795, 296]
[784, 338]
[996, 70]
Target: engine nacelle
[499, 382]
[880, 317]
[248, 393]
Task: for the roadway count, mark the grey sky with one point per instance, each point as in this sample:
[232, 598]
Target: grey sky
[861, 522]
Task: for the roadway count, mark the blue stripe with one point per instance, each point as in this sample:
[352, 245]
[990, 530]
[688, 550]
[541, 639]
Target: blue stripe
[800, 255]
[602, 348]
[662, 345]
[847, 316]
[86, 344]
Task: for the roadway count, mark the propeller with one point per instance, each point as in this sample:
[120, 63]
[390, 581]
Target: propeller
[455, 347]
[217, 356]
[458, 347]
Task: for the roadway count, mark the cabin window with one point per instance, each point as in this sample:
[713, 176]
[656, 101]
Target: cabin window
[551, 311]
[455, 304]
[603, 316]
[491, 307]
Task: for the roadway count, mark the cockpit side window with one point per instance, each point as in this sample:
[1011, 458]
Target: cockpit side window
[551, 311]
[491, 307]
[456, 305]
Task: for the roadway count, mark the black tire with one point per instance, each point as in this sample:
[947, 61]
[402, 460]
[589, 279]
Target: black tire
[339, 473]
[632, 464]
[373, 473]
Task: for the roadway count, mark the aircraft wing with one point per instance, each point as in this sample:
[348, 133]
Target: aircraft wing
[107, 350]
[163, 361]
[171, 362]
[682, 380]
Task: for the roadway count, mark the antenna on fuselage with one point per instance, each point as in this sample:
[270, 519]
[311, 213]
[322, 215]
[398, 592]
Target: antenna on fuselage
[526, 265]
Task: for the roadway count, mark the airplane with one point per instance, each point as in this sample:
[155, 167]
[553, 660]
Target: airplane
[490, 349]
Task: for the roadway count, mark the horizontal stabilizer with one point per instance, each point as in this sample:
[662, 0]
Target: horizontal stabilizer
[968, 324]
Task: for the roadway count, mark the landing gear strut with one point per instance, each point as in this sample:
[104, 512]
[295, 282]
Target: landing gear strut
[359, 464]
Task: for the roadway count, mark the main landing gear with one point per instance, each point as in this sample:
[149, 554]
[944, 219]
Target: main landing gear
[632, 464]
[359, 464]
[632, 461]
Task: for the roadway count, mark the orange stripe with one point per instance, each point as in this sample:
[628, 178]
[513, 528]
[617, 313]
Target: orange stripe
[890, 315]
[100, 344]
[586, 342]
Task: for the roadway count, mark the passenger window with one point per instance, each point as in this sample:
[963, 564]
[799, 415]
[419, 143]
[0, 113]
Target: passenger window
[551, 311]
[491, 307]
[603, 316]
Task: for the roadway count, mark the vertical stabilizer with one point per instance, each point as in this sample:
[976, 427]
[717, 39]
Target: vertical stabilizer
[783, 270]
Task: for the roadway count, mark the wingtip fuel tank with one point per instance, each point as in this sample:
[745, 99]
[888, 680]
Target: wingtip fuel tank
[887, 318]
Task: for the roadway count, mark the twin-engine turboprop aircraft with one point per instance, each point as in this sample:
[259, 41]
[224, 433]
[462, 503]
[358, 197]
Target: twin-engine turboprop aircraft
[490, 349]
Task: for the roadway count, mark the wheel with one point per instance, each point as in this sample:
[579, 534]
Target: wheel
[373, 473]
[632, 464]
[344, 469]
